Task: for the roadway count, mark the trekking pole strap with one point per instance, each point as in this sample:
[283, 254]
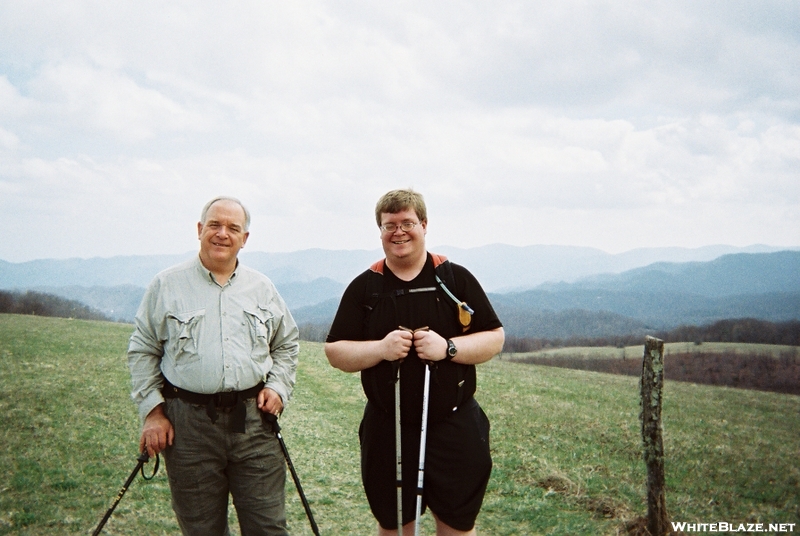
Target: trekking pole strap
[144, 458]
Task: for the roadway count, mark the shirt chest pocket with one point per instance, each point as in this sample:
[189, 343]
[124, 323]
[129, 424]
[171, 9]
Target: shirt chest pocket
[262, 324]
[184, 333]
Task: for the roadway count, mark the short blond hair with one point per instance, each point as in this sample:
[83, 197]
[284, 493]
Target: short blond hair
[399, 200]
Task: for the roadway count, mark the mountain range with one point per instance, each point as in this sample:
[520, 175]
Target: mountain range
[538, 291]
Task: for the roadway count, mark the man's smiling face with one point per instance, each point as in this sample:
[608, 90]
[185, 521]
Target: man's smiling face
[222, 235]
[401, 244]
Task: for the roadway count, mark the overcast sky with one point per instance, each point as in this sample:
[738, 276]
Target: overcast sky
[613, 125]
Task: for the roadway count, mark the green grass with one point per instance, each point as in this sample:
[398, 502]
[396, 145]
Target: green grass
[566, 444]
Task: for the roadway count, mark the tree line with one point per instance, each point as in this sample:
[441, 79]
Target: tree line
[41, 304]
[742, 330]
[743, 371]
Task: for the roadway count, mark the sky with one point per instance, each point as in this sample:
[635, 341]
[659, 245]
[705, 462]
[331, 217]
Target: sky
[613, 125]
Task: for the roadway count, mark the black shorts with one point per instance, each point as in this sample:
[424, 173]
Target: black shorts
[458, 464]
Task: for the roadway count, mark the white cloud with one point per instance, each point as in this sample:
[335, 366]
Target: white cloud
[108, 102]
[611, 125]
[8, 140]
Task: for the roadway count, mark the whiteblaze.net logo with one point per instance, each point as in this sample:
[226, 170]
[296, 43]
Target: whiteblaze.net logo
[723, 526]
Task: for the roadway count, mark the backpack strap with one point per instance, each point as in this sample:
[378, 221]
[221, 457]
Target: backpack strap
[438, 260]
[444, 276]
[374, 288]
[377, 266]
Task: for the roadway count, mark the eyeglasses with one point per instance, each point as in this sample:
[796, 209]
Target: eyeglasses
[406, 226]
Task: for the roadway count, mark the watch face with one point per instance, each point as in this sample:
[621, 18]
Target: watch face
[451, 349]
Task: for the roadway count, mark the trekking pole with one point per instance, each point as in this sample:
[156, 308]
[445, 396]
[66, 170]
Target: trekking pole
[398, 445]
[422, 439]
[422, 444]
[273, 420]
[142, 459]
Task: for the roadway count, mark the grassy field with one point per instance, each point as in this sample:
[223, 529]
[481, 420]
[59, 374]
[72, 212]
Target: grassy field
[566, 444]
[635, 352]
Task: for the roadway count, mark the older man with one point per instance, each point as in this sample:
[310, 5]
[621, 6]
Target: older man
[215, 348]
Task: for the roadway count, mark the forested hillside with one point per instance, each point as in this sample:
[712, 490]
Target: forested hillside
[651, 299]
[741, 330]
[37, 303]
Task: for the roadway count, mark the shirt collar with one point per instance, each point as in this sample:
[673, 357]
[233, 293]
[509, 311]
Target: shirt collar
[206, 274]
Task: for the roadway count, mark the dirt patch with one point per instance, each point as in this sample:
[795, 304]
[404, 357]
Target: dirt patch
[606, 507]
[558, 484]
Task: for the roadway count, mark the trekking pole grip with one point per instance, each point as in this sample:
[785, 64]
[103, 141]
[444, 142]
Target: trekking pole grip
[273, 421]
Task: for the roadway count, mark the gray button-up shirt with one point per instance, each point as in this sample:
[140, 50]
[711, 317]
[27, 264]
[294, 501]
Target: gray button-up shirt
[208, 338]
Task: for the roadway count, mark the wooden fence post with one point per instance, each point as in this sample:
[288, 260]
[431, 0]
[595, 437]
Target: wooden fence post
[652, 386]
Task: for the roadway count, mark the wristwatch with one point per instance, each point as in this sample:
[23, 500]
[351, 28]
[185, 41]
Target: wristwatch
[451, 350]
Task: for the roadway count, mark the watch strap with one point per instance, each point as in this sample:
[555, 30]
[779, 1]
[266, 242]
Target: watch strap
[451, 350]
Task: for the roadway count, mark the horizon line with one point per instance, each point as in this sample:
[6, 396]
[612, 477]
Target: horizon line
[773, 248]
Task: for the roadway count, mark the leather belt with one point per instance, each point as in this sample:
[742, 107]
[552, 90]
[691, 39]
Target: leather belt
[226, 400]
